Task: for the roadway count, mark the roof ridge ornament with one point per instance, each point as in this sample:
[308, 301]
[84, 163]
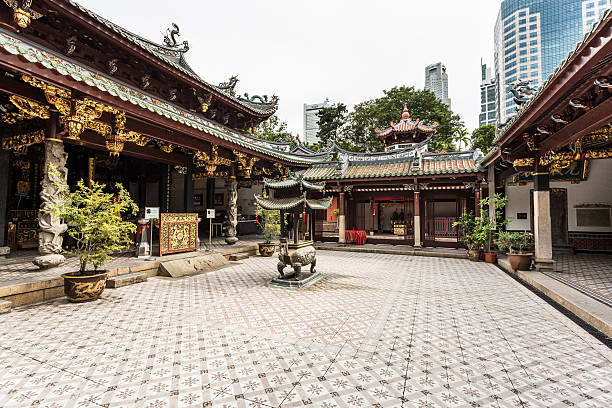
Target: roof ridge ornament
[170, 38]
[230, 85]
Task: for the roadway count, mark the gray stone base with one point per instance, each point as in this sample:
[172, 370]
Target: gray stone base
[5, 251]
[126, 279]
[192, 266]
[302, 280]
[544, 265]
[231, 240]
[5, 306]
[49, 261]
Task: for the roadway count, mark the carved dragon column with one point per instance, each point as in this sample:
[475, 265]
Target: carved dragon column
[417, 216]
[232, 208]
[51, 228]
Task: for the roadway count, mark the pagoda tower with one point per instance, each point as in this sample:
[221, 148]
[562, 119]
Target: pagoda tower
[406, 133]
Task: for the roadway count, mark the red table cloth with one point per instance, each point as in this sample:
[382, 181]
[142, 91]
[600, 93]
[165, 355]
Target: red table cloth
[356, 236]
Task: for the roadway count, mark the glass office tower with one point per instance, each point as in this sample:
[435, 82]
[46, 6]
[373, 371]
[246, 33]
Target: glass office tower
[532, 37]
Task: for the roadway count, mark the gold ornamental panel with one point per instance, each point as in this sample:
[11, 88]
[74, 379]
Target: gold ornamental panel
[178, 233]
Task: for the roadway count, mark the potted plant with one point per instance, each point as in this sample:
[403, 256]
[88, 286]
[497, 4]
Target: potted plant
[467, 223]
[520, 250]
[485, 225]
[269, 222]
[95, 224]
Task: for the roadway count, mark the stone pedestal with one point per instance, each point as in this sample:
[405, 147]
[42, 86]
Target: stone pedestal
[51, 229]
[542, 230]
[341, 229]
[232, 211]
[417, 232]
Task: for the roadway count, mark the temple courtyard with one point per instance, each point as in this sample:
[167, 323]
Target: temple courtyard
[377, 330]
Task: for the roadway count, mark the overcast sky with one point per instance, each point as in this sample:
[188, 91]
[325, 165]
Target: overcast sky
[305, 51]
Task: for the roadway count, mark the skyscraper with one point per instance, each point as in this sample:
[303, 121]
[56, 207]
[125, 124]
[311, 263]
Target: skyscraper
[487, 97]
[532, 37]
[311, 121]
[436, 81]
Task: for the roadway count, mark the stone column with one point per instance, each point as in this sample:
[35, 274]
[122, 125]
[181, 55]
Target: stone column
[491, 186]
[5, 158]
[232, 209]
[477, 196]
[541, 219]
[51, 228]
[210, 192]
[188, 190]
[165, 182]
[341, 220]
[418, 243]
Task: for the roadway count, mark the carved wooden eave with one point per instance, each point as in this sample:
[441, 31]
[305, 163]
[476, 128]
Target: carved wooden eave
[574, 101]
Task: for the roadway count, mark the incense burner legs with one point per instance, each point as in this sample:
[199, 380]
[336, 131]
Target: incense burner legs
[296, 256]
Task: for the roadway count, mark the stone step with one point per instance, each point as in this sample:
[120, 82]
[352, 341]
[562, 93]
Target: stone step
[5, 306]
[126, 279]
[239, 256]
[178, 268]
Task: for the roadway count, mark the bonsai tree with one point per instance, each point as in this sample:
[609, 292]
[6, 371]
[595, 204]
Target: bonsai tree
[485, 225]
[94, 220]
[467, 223]
[269, 222]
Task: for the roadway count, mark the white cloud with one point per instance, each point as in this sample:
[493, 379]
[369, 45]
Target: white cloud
[305, 51]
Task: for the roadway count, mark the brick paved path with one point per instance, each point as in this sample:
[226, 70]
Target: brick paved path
[378, 330]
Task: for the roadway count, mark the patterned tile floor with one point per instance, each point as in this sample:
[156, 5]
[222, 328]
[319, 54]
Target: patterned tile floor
[376, 331]
[590, 271]
[18, 267]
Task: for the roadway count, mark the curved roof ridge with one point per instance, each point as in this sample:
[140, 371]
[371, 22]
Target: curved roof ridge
[166, 54]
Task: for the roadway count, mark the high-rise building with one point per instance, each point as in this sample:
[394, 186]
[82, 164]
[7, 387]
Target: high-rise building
[532, 37]
[487, 97]
[436, 81]
[311, 121]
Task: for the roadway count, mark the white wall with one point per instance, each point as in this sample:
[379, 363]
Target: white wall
[597, 189]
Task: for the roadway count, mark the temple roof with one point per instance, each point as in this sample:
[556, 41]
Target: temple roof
[425, 165]
[292, 181]
[174, 56]
[407, 124]
[37, 54]
[289, 203]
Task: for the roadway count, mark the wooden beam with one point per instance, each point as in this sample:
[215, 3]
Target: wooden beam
[182, 135]
[590, 121]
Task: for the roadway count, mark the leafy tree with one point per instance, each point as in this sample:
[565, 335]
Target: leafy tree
[272, 129]
[483, 138]
[380, 112]
[332, 123]
[94, 217]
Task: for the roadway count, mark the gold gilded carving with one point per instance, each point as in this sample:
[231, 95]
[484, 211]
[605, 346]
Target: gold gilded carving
[526, 162]
[218, 160]
[136, 138]
[598, 154]
[22, 18]
[28, 109]
[178, 233]
[20, 143]
[165, 147]
[240, 158]
[48, 88]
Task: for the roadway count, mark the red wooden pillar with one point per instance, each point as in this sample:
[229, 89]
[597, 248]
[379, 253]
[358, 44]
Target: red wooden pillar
[372, 212]
[477, 197]
[418, 242]
[341, 219]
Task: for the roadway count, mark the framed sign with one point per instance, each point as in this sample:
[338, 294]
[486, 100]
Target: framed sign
[151, 213]
[197, 200]
[178, 233]
[210, 213]
[219, 200]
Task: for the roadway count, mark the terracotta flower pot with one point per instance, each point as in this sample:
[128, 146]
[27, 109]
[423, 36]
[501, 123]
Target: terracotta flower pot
[520, 262]
[267, 249]
[83, 288]
[490, 257]
[473, 255]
